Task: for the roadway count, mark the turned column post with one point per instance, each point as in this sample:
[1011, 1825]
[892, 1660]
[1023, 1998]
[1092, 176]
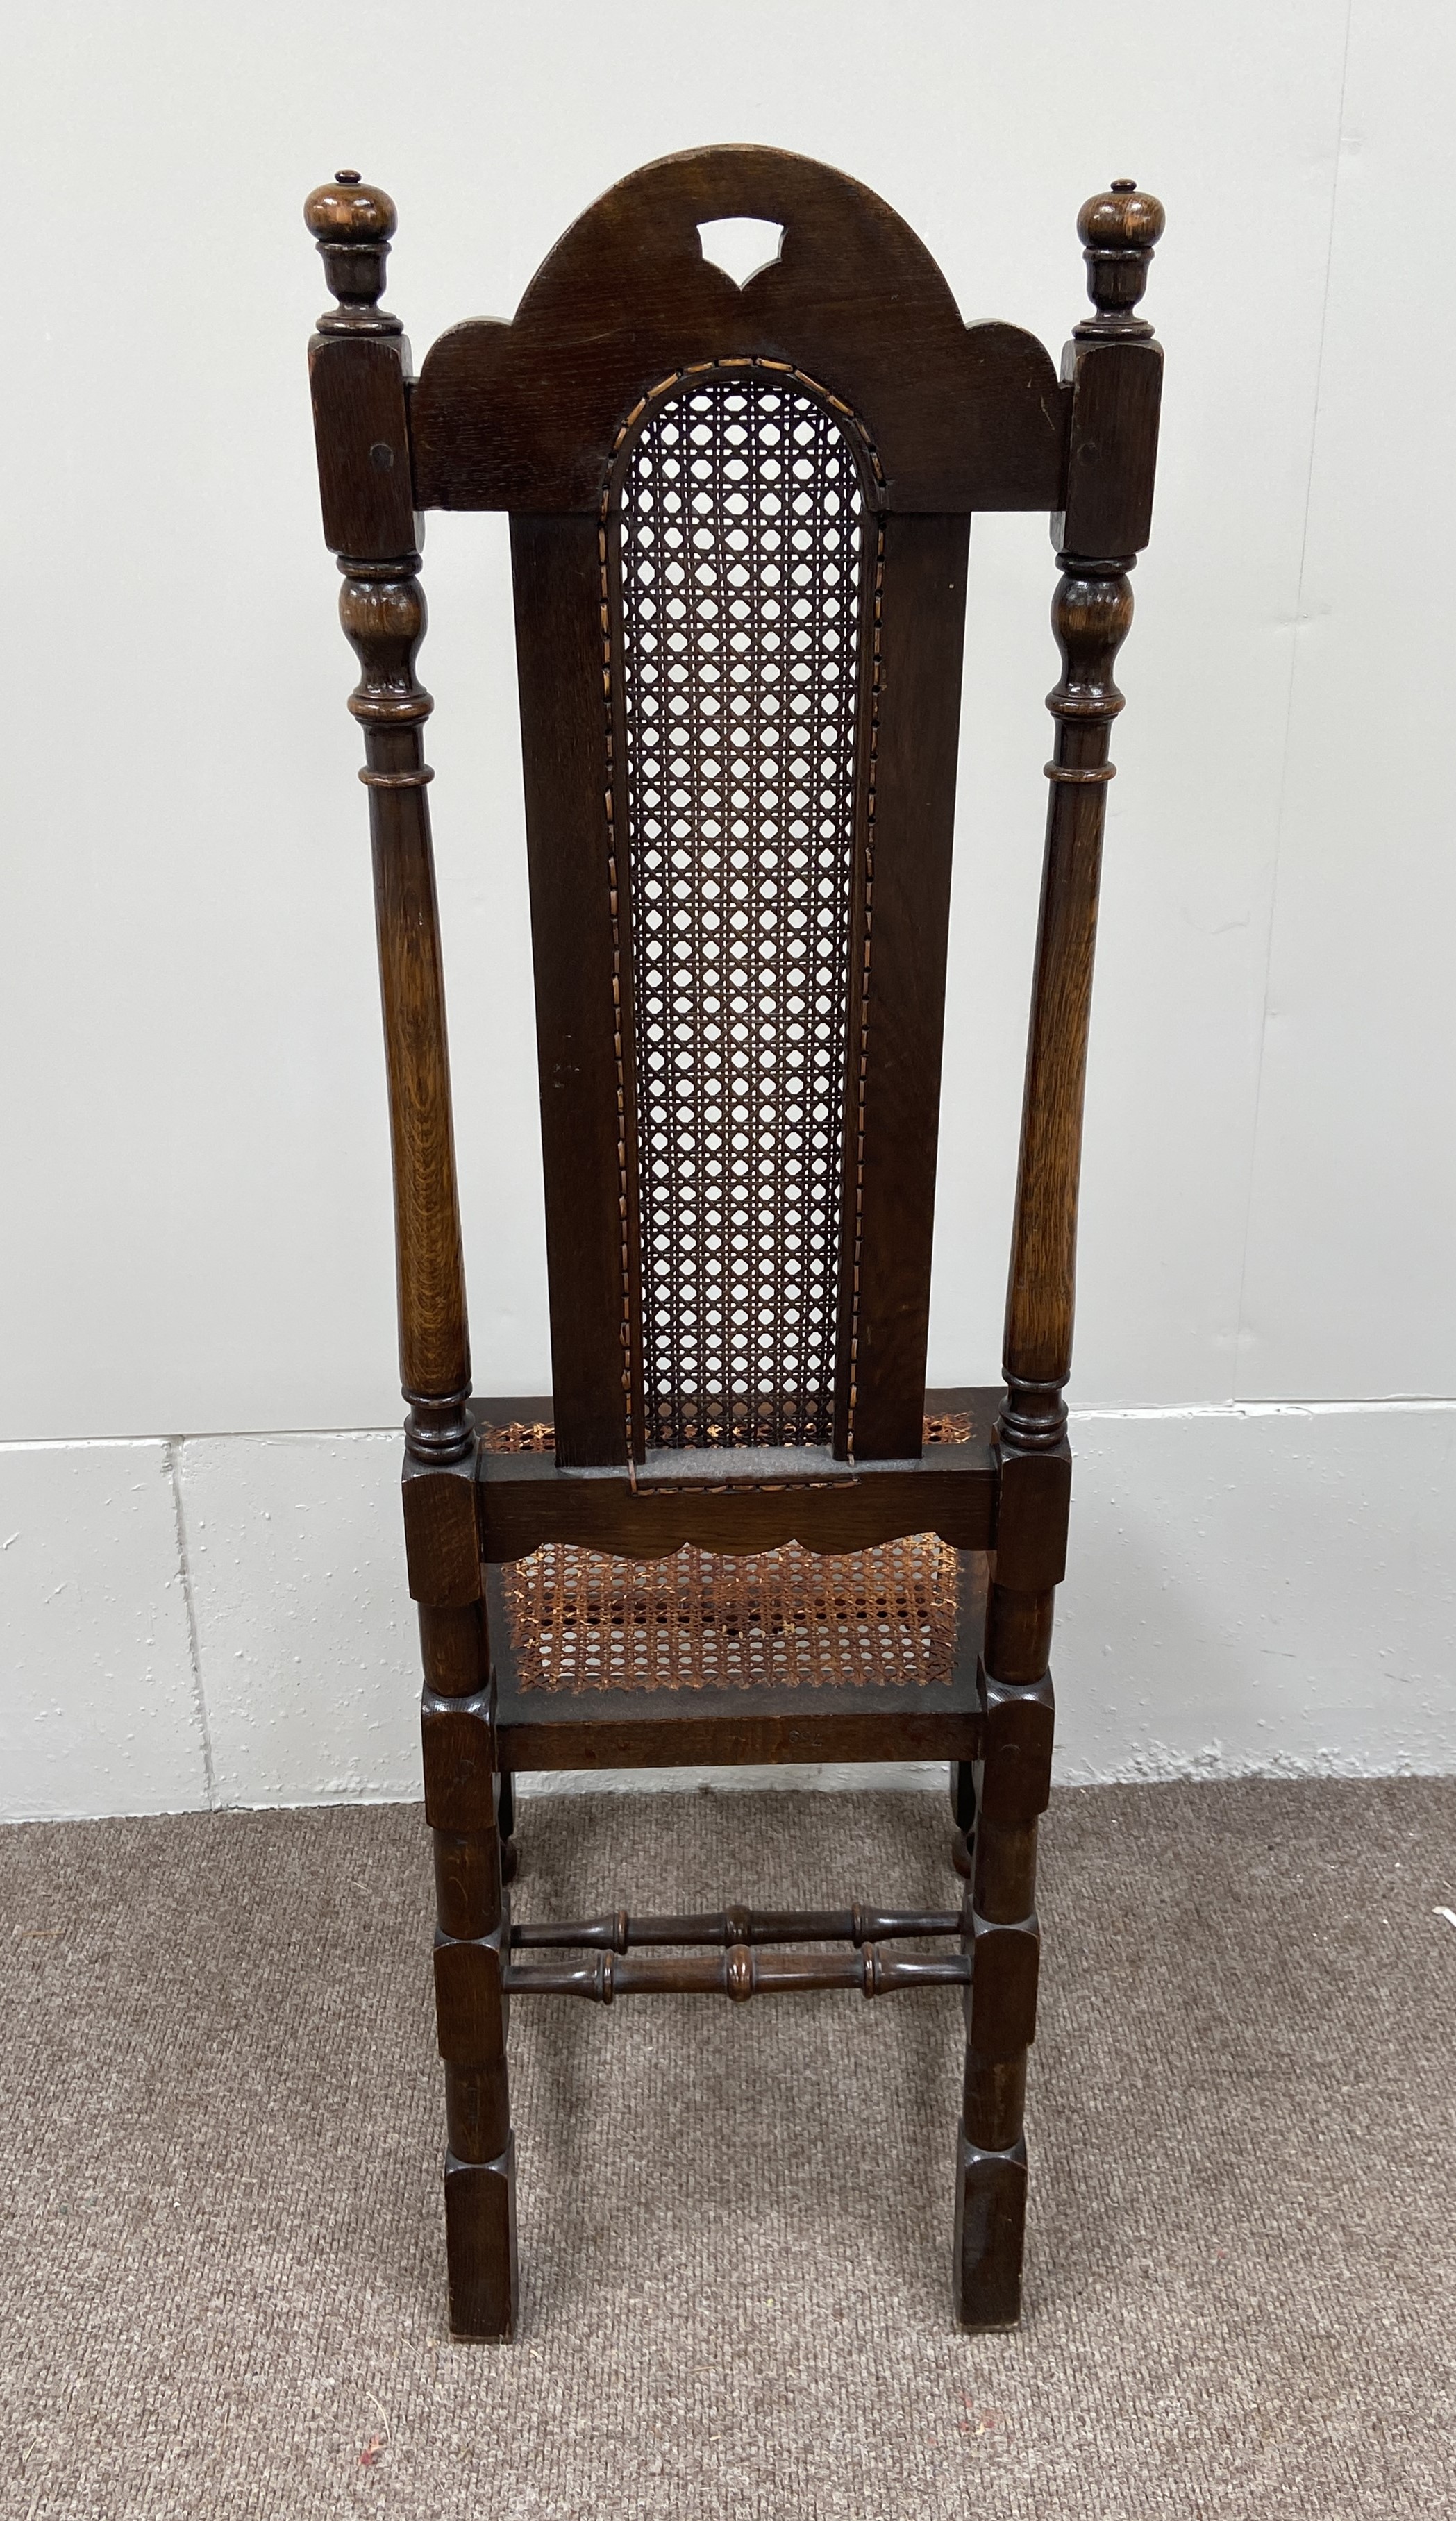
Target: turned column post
[1114, 367]
[358, 362]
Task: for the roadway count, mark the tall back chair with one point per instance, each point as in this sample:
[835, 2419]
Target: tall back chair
[738, 1528]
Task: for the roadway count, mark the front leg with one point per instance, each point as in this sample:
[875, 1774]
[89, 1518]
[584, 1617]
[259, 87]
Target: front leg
[504, 1821]
[470, 1945]
[1002, 1934]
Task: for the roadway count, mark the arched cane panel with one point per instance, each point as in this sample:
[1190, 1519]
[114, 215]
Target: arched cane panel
[745, 549]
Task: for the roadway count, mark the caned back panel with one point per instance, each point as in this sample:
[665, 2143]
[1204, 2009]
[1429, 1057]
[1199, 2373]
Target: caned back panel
[740, 1056]
[744, 554]
[740, 730]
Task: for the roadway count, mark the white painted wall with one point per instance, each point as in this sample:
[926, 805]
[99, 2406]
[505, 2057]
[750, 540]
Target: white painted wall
[225, 1621]
[193, 1128]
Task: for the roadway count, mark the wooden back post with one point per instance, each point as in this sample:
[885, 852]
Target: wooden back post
[1113, 368]
[359, 370]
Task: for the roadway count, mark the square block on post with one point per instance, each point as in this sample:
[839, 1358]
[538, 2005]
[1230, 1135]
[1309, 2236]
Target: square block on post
[1033, 1501]
[1001, 2000]
[1017, 1746]
[459, 1743]
[470, 2000]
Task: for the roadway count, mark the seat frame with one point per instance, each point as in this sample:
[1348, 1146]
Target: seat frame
[533, 417]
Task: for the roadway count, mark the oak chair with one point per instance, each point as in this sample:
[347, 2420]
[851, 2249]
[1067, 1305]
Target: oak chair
[738, 1528]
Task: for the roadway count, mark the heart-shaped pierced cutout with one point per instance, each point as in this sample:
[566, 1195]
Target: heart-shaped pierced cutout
[742, 247]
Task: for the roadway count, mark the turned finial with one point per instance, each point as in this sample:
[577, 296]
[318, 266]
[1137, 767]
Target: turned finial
[354, 223]
[1119, 229]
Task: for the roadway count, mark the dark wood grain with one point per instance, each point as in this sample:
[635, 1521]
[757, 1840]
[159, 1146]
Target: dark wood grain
[1113, 368]
[363, 442]
[452, 1648]
[741, 1974]
[1115, 371]
[441, 1537]
[480, 2247]
[702, 1728]
[621, 1932]
[364, 477]
[990, 2225]
[897, 1003]
[383, 612]
[1117, 399]
[522, 415]
[526, 1500]
[1091, 617]
[557, 573]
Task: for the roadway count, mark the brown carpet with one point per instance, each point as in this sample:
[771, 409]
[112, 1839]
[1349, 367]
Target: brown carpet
[222, 2280]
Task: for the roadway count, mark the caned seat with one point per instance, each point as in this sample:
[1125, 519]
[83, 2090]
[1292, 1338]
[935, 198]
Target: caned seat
[738, 1528]
[790, 1618]
[581, 1619]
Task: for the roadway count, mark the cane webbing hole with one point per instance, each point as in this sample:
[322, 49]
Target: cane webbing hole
[520, 1436]
[538, 1436]
[948, 1427]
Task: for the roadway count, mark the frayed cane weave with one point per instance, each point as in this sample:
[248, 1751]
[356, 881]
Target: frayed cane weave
[538, 1436]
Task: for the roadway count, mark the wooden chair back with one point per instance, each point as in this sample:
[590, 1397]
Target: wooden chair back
[739, 520]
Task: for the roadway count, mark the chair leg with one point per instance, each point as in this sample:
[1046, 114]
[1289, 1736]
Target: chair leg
[963, 1812]
[1002, 1934]
[504, 1821]
[473, 1933]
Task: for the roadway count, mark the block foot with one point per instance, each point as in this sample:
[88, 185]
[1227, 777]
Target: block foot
[480, 2246]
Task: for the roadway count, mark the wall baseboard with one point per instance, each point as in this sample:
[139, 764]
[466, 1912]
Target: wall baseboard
[221, 1621]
